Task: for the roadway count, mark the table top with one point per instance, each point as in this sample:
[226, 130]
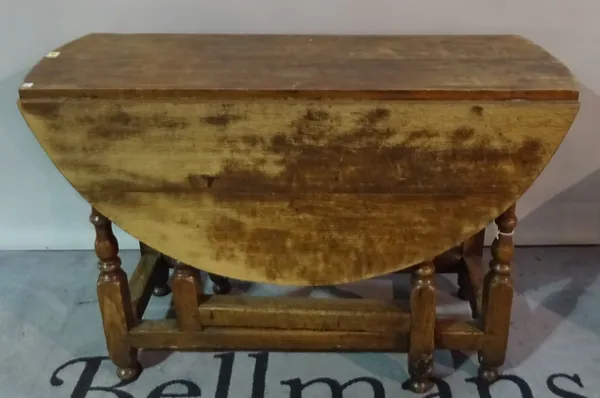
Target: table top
[301, 160]
[468, 67]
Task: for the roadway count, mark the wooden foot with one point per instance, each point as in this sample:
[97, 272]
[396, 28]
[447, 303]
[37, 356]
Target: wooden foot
[187, 291]
[114, 297]
[422, 327]
[490, 375]
[221, 284]
[161, 278]
[129, 374]
[161, 291]
[497, 298]
[419, 387]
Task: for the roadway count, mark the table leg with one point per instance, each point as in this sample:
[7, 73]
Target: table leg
[221, 284]
[422, 327]
[497, 298]
[161, 273]
[471, 275]
[187, 291]
[114, 299]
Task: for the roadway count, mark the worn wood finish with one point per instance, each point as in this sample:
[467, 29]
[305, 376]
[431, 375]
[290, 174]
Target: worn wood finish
[305, 313]
[141, 283]
[497, 298]
[187, 292]
[302, 160]
[247, 186]
[114, 299]
[301, 66]
[163, 334]
[422, 327]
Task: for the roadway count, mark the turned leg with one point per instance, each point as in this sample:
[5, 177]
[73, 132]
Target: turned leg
[497, 298]
[422, 327]
[471, 275]
[221, 284]
[114, 299]
[187, 292]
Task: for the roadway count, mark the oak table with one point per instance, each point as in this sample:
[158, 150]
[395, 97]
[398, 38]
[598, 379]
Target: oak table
[301, 160]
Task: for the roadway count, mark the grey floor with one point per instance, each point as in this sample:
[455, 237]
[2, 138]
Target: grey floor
[52, 345]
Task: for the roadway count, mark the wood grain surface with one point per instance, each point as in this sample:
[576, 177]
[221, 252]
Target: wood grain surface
[300, 192]
[301, 66]
[163, 334]
[359, 315]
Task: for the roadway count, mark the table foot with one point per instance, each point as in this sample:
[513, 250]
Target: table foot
[161, 291]
[419, 386]
[221, 284]
[489, 375]
[129, 374]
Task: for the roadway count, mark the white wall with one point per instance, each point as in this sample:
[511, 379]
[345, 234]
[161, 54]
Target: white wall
[39, 209]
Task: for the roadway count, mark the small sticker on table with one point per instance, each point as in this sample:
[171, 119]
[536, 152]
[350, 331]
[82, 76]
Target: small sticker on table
[53, 54]
[27, 85]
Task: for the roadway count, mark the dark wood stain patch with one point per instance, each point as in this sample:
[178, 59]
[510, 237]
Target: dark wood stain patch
[419, 135]
[223, 118]
[116, 124]
[316, 158]
[200, 181]
[103, 128]
[462, 134]
[339, 235]
[478, 110]
[361, 161]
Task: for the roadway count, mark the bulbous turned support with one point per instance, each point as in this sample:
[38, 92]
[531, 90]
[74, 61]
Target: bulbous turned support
[422, 327]
[114, 299]
[497, 298]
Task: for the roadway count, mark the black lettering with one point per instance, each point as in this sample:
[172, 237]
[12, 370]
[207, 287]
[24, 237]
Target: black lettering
[225, 371]
[550, 382]
[443, 389]
[84, 383]
[260, 374]
[483, 387]
[192, 390]
[337, 390]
